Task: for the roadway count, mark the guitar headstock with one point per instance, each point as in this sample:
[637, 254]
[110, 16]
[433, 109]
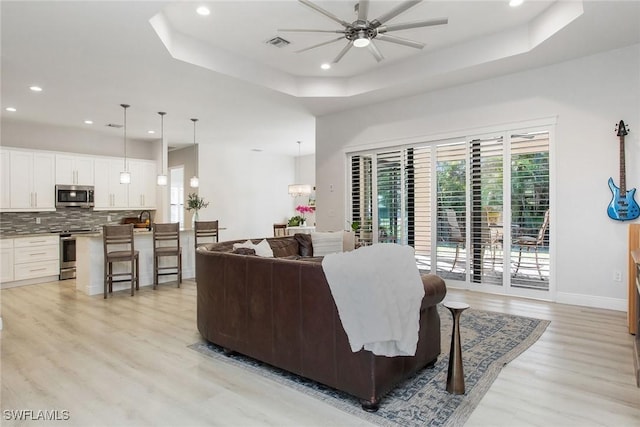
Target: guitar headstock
[621, 129]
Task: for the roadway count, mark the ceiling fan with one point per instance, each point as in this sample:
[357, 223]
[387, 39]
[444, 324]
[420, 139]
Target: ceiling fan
[362, 32]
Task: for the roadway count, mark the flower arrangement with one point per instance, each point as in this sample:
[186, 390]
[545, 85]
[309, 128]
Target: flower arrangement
[304, 209]
[194, 202]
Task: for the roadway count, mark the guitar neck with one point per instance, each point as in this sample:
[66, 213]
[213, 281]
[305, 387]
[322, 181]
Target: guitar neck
[623, 185]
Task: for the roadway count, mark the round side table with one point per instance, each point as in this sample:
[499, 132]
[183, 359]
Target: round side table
[455, 374]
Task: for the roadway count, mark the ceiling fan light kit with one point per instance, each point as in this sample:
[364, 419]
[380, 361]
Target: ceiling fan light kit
[362, 32]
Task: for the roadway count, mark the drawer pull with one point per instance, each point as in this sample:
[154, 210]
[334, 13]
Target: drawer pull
[38, 269]
[39, 253]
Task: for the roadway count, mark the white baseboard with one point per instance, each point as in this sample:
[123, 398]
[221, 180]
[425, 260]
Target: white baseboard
[608, 303]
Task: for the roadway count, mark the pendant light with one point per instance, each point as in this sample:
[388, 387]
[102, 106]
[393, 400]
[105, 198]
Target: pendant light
[296, 190]
[162, 178]
[125, 176]
[194, 182]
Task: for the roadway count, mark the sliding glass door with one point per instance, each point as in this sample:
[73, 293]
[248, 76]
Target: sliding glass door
[476, 210]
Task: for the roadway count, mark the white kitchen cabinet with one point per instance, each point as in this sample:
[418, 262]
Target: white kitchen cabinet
[5, 179]
[31, 181]
[74, 170]
[142, 190]
[36, 257]
[6, 260]
[109, 193]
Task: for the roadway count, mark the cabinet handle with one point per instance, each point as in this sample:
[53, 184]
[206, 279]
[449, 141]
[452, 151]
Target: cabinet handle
[36, 205]
[38, 253]
[37, 269]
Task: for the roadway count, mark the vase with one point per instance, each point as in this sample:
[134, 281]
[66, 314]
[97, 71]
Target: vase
[194, 218]
[303, 222]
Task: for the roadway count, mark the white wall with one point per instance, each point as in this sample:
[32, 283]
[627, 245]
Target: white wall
[39, 136]
[247, 190]
[587, 96]
[306, 174]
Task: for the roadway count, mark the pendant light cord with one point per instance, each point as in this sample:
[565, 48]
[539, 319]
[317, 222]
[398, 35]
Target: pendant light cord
[125, 106]
[195, 154]
[164, 154]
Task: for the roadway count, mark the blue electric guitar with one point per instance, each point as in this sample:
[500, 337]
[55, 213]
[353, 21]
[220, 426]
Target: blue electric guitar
[623, 207]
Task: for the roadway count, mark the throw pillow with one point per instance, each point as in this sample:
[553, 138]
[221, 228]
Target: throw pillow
[326, 243]
[284, 246]
[304, 241]
[263, 249]
[248, 244]
[244, 251]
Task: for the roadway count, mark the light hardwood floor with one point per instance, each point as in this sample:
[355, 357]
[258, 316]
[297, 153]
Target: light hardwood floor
[124, 361]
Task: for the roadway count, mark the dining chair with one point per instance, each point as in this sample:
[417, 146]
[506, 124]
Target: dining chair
[119, 247]
[455, 234]
[534, 242]
[205, 230]
[166, 243]
[279, 230]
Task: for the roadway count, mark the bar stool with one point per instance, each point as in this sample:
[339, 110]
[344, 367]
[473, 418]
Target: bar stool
[166, 242]
[279, 230]
[203, 230]
[120, 236]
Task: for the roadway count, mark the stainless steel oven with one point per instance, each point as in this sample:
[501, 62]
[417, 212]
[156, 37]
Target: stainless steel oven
[67, 256]
[68, 253]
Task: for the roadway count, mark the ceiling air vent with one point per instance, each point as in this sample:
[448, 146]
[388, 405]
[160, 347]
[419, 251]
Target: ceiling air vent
[113, 125]
[278, 42]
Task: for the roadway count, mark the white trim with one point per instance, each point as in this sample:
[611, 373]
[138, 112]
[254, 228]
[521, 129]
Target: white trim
[460, 134]
[608, 303]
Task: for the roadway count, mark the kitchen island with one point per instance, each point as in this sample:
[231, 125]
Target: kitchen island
[90, 261]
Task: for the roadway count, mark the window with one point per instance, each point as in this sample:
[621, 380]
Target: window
[476, 210]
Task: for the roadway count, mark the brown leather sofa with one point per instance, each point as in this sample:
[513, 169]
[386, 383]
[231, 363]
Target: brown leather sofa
[280, 311]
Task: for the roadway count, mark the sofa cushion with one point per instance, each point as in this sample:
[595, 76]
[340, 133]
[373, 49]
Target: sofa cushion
[305, 244]
[326, 243]
[284, 247]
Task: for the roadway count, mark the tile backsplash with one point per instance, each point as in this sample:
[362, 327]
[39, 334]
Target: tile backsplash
[16, 223]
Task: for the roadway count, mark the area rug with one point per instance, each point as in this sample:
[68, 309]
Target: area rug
[489, 341]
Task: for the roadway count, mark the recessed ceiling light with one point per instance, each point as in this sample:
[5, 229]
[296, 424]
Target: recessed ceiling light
[203, 11]
[151, 131]
[515, 3]
[35, 88]
[12, 109]
[325, 66]
[88, 122]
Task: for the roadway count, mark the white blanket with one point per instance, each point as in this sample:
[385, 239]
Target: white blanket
[378, 292]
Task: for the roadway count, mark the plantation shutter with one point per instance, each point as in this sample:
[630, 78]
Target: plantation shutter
[419, 206]
[390, 179]
[485, 195]
[451, 161]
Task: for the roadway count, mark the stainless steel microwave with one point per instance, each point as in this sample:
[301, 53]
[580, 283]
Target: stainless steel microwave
[74, 196]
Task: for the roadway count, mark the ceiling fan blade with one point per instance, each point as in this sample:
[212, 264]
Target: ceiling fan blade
[325, 12]
[342, 53]
[399, 40]
[319, 44]
[375, 52]
[394, 12]
[296, 30]
[363, 10]
[416, 24]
